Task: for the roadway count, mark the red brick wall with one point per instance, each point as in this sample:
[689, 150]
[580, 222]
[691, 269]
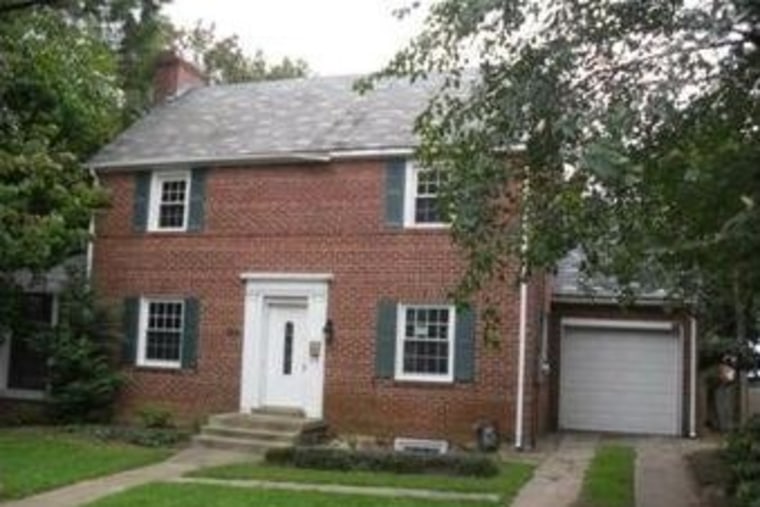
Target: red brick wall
[317, 218]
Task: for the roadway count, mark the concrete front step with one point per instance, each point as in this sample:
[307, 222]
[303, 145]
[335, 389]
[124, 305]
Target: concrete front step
[238, 444]
[259, 430]
[250, 433]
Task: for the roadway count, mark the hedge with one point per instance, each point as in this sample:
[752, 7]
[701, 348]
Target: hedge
[743, 454]
[325, 458]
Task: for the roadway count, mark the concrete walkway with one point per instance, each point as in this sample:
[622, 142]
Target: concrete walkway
[346, 490]
[557, 480]
[663, 478]
[90, 490]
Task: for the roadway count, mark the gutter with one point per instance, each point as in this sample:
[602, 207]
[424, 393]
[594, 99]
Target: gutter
[247, 159]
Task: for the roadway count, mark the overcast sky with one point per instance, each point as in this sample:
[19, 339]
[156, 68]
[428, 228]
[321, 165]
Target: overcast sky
[333, 36]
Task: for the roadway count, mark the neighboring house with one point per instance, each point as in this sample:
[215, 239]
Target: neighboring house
[274, 244]
[23, 370]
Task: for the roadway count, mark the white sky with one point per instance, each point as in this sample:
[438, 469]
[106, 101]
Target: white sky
[333, 36]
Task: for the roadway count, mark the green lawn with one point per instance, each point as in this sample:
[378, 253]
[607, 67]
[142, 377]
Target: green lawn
[33, 460]
[512, 477]
[197, 495]
[609, 478]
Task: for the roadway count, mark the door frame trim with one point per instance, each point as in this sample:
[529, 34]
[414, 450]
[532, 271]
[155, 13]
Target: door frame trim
[260, 288]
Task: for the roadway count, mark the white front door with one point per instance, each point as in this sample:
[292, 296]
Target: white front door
[283, 360]
[286, 350]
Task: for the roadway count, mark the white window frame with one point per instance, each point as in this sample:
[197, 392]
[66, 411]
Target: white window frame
[142, 337]
[410, 200]
[403, 444]
[401, 336]
[157, 181]
[5, 362]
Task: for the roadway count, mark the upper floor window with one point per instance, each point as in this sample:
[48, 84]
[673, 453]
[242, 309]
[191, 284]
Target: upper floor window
[169, 201]
[421, 205]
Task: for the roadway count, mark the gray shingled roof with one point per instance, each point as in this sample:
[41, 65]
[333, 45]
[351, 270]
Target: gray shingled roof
[570, 282]
[313, 115]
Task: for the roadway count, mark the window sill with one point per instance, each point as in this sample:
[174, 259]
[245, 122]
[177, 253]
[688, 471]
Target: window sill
[423, 381]
[23, 394]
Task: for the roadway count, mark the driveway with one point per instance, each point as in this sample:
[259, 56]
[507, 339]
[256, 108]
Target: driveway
[662, 476]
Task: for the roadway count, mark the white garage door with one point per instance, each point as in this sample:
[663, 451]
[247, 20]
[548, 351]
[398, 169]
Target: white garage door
[620, 379]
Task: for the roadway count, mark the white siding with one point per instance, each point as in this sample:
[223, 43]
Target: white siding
[621, 380]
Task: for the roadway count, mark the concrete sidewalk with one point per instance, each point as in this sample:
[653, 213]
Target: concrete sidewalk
[89, 490]
[557, 480]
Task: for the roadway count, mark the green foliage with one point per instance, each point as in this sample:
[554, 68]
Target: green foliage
[636, 124]
[507, 483]
[84, 380]
[67, 459]
[143, 437]
[155, 417]
[323, 458]
[224, 61]
[200, 495]
[609, 479]
[743, 454]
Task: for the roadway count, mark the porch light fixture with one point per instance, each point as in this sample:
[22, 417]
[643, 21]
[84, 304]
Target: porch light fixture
[328, 331]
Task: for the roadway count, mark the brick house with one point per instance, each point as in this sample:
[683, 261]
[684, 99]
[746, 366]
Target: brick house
[274, 245]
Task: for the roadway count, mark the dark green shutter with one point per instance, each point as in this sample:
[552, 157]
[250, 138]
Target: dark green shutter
[385, 346]
[142, 201]
[197, 199]
[395, 174]
[190, 333]
[131, 318]
[464, 345]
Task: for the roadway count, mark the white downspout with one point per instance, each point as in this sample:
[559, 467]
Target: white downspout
[693, 378]
[522, 335]
[91, 239]
[522, 326]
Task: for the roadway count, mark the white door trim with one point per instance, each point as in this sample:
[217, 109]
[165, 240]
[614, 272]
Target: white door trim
[260, 289]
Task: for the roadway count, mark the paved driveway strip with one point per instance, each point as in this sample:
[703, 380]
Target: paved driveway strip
[557, 480]
[663, 478]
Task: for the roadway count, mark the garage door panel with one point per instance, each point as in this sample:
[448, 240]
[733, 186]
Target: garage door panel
[623, 380]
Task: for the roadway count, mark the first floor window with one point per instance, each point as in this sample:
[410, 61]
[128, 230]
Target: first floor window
[425, 343]
[169, 201]
[26, 367]
[161, 336]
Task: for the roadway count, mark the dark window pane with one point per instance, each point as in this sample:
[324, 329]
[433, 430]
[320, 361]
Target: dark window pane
[426, 210]
[287, 362]
[164, 334]
[27, 368]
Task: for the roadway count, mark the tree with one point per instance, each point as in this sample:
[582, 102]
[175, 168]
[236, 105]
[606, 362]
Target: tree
[58, 103]
[640, 123]
[224, 61]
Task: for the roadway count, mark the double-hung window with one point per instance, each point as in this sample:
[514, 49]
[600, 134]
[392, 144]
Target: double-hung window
[161, 333]
[423, 186]
[425, 343]
[169, 206]
[23, 367]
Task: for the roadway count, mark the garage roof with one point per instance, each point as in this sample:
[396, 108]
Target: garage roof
[571, 283]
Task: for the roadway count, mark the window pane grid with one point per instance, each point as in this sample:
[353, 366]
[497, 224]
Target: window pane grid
[171, 206]
[163, 336]
[426, 198]
[426, 344]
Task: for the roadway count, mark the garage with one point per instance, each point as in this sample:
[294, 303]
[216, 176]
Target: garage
[620, 376]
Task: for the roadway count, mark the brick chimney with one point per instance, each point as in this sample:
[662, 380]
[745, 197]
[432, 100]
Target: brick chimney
[173, 77]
